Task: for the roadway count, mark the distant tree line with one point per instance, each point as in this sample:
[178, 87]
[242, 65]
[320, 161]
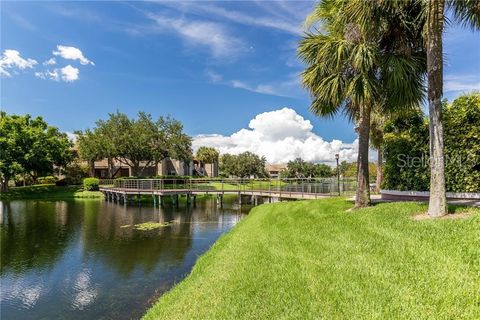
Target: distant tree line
[299, 168]
[349, 170]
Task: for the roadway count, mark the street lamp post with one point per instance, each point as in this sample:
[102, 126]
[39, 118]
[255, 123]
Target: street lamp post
[337, 156]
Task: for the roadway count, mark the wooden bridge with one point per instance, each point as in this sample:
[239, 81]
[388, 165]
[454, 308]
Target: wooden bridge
[119, 190]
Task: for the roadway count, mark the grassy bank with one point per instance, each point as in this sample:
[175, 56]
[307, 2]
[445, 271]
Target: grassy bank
[49, 192]
[311, 259]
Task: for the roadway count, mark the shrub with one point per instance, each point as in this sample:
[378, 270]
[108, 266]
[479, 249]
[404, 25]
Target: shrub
[407, 149]
[90, 184]
[75, 173]
[47, 180]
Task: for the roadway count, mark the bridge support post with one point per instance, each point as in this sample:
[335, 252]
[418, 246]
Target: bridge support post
[154, 200]
[160, 201]
[175, 200]
[188, 199]
[194, 200]
[239, 198]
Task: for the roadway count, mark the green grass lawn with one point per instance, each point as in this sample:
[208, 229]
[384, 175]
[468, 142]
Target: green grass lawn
[49, 192]
[314, 260]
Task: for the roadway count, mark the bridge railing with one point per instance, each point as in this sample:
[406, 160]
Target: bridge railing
[305, 185]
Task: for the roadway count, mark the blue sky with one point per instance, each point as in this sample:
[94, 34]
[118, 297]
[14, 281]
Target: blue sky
[213, 65]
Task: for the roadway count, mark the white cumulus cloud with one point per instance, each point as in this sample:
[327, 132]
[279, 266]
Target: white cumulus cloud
[67, 74]
[50, 62]
[72, 136]
[72, 53]
[11, 60]
[281, 135]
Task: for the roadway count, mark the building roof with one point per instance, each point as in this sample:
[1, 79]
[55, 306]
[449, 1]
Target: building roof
[275, 167]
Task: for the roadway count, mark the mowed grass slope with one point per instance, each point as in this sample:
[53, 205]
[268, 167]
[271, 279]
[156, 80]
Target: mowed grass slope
[311, 259]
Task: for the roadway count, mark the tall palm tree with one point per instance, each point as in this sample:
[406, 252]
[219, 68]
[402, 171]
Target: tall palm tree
[466, 12]
[364, 58]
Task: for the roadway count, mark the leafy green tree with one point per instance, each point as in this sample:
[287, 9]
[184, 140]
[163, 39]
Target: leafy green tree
[349, 170]
[244, 165]
[90, 147]
[323, 171]
[407, 150]
[466, 12]
[138, 143]
[299, 168]
[170, 137]
[228, 164]
[295, 169]
[343, 167]
[75, 172]
[364, 57]
[30, 146]
[207, 155]
[250, 164]
[462, 143]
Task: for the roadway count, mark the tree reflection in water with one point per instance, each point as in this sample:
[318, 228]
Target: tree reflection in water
[77, 259]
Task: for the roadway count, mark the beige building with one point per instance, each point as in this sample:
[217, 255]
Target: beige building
[275, 169]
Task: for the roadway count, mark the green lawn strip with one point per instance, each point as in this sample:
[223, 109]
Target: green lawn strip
[50, 192]
[311, 259]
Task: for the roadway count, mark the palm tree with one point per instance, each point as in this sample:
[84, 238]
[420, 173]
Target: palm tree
[466, 12]
[364, 58]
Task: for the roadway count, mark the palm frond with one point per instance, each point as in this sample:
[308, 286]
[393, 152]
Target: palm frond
[466, 12]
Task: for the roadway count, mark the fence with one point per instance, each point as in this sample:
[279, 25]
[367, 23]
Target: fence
[306, 185]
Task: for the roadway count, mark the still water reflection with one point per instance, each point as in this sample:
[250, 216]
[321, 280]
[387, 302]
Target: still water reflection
[77, 260]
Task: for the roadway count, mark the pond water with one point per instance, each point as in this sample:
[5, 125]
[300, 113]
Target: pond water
[85, 260]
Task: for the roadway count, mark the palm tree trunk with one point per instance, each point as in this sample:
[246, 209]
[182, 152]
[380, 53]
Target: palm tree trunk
[438, 203]
[362, 198]
[379, 168]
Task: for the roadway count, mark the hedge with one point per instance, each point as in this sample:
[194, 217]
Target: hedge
[47, 180]
[90, 184]
[406, 148]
